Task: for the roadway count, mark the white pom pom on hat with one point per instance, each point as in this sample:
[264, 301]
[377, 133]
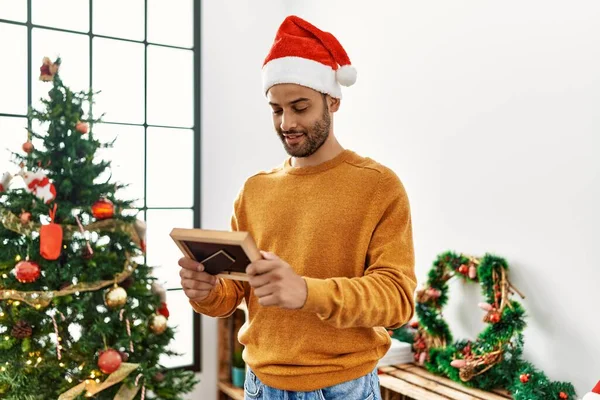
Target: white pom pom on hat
[346, 75]
[305, 55]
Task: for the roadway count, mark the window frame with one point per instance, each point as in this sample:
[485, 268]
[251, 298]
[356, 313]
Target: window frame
[196, 206]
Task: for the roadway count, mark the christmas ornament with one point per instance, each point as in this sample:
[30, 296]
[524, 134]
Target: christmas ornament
[87, 252]
[422, 358]
[27, 271]
[594, 394]
[524, 378]
[103, 209]
[81, 127]
[157, 289]
[493, 317]
[472, 272]
[158, 324]
[140, 229]
[51, 238]
[39, 184]
[5, 181]
[28, 147]
[109, 361]
[128, 326]
[563, 395]
[57, 334]
[463, 269]
[49, 69]
[159, 377]
[115, 297]
[163, 310]
[21, 330]
[25, 217]
[459, 363]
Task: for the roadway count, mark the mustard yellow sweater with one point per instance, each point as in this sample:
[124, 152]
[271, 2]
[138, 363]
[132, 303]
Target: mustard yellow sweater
[345, 226]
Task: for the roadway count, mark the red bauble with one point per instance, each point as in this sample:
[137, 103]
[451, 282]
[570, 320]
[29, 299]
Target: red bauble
[563, 395]
[414, 324]
[28, 147]
[81, 127]
[524, 378]
[25, 217]
[27, 271]
[463, 269]
[163, 310]
[109, 361]
[467, 350]
[103, 209]
[420, 345]
[495, 317]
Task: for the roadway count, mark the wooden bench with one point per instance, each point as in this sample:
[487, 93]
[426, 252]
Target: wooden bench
[411, 382]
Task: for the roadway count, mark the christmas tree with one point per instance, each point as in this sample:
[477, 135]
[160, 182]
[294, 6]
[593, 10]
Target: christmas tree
[80, 313]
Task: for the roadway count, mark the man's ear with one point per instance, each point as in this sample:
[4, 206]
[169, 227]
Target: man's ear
[333, 103]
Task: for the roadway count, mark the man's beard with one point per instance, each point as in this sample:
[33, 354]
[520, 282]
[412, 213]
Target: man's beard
[314, 137]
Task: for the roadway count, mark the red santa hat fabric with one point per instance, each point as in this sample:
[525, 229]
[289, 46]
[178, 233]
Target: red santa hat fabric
[594, 394]
[305, 55]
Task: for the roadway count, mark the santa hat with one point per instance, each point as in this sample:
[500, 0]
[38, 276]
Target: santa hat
[594, 394]
[305, 55]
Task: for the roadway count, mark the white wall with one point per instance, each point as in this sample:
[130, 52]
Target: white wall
[488, 111]
[236, 36]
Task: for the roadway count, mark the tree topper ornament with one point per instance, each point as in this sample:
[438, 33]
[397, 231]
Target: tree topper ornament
[49, 69]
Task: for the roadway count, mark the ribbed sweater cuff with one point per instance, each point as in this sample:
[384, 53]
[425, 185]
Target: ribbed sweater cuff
[317, 300]
[208, 305]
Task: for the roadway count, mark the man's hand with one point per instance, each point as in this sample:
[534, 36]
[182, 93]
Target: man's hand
[196, 283]
[275, 283]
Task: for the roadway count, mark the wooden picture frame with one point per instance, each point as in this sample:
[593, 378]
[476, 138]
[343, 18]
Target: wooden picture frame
[225, 254]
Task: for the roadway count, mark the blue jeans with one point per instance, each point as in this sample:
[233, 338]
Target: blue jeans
[364, 388]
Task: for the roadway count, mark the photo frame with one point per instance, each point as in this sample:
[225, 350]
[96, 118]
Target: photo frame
[225, 254]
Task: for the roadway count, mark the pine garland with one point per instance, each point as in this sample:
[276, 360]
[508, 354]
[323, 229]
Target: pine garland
[494, 359]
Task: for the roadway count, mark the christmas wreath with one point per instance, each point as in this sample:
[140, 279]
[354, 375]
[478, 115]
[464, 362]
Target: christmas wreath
[494, 359]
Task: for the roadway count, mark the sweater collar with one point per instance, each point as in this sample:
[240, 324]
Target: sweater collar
[324, 166]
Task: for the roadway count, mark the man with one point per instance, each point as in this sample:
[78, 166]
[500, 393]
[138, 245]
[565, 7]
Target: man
[337, 227]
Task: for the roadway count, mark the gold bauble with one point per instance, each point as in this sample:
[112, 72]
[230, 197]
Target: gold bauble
[158, 324]
[116, 297]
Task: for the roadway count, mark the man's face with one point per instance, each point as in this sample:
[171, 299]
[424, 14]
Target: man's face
[301, 118]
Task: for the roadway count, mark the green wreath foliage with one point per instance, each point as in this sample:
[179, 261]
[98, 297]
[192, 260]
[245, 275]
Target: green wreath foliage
[494, 359]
